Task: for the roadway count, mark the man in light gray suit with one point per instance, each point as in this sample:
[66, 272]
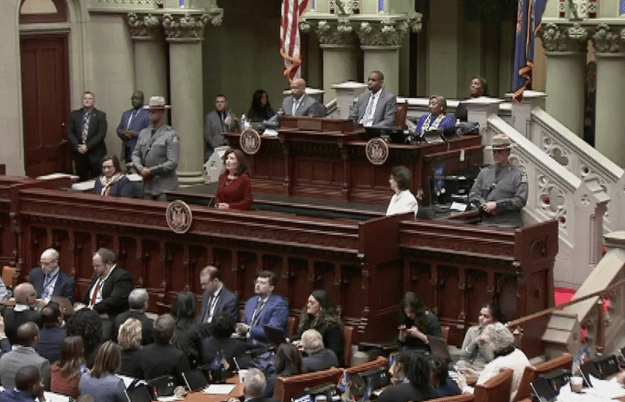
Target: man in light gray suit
[300, 104]
[218, 121]
[157, 153]
[23, 355]
[375, 107]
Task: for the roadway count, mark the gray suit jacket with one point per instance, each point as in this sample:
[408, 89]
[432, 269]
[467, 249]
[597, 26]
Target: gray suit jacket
[307, 107]
[21, 357]
[160, 153]
[212, 132]
[385, 110]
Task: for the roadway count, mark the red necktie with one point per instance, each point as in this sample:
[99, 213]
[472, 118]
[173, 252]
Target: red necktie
[96, 291]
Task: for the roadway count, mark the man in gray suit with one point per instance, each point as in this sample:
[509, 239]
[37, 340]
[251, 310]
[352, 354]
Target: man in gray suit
[157, 153]
[218, 121]
[300, 104]
[376, 107]
[500, 190]
[22, 355]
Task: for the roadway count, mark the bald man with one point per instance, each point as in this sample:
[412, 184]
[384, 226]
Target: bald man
[26, 301]
[23, 355]
[300, 104]
[49, 280]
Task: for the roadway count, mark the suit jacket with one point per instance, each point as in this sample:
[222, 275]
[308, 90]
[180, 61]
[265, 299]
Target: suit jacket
[20, 357]
[385, 110]
[147, 325]
[275, 314]
[307, 107]
[115, 293]
[95, 135]
[13, 319]
[227, 302]
[320, 360]
[122, 188]
[50, 341]
[213, 130]
[140, 120]
[65, 285]
[159, 360]
[160, 153]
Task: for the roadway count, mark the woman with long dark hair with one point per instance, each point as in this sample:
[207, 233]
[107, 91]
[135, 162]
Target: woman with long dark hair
[417, 323]
[187, 336]
[417, 388]
[261, 108]
[288, 363]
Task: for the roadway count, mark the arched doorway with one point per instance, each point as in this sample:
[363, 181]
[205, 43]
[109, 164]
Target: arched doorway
[44, 34]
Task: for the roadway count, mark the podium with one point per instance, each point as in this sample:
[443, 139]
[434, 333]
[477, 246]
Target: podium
[326, 159]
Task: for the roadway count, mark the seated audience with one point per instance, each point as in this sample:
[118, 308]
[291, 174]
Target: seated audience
[418, 387]
[138, 301]
[403, 200]
[216, 298]
[87, 324]
[437, 119]
[113, 182]
[22, 355]
[28, 387]
[162, 358]
[129, 339]
[399, 368]
[301, 104]
[49, 280]
[65, 374]
[101, 381]
[288, 363]
[52, 334]
[416, 324]
[5, 345]
[235, 189]
[500, 342]
[261, 109]
[188, 335]
[321, 315]
[472, 354]
[316, 356]
[443, 384]
[254, 387]
[24, 311]
[220, 343]
[479, 87]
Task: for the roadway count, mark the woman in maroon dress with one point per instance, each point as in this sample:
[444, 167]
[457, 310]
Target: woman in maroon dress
[235, 189]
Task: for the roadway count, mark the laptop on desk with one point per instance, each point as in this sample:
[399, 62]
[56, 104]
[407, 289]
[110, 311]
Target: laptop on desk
[195, 380]
[543, 390]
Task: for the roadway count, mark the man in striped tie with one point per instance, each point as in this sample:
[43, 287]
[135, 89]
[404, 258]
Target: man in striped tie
[264, 309]
[131, 124]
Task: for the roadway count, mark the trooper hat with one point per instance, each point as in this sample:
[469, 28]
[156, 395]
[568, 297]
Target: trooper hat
[157, 102]
[501, 142]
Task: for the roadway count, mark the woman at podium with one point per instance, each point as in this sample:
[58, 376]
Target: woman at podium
[403, 201]
[235, 188]
[437, 119]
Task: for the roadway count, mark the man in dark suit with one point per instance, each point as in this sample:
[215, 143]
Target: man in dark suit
[254, 386]
[24, 311]
[316, 356]
[131, 124]
[86, 131]
[29, 386]
[265, 309]
[53, 334]
[138, 301]
[49, 280]
[161, 357]
[217, 297]
[300, 104]
[109, 290]
[375, 107]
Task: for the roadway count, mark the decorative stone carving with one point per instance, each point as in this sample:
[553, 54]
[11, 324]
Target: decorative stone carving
[333, 32]
[564, 38]
[382, 33]
[143, 26]
[126, 3]
[185, 27]
[345, 7]
[608, 39]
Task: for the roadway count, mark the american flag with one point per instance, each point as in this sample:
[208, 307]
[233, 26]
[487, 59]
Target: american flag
[292, 10]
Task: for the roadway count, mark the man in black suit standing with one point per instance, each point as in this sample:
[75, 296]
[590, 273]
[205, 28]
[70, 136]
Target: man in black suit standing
[216, 296]
[138, 302]
[49, 280]
[109, 290]
[86, 131]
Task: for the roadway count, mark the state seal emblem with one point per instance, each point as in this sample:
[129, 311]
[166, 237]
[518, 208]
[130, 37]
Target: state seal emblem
[250, 141]
[179, 216]
[377, 151]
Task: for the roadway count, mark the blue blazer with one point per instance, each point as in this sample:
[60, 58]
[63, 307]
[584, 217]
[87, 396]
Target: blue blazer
[140, 121]
[65, 285]
[228, 302]
[275, 314]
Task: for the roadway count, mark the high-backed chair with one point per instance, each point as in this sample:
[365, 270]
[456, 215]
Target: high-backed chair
[455, 398]
[379, 362]
[497, 389]
[531, 373]
[348, 335]
[8, 274]
[402, 113]
[445, 330]
[289, 387]
[292, 324]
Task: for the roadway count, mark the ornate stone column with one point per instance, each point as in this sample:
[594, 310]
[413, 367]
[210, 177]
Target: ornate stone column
[338, 41]
[565, 46]
[150, 54]
[610, 119]
[185, 34]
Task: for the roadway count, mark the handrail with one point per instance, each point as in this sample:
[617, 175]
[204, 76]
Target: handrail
[531, 317]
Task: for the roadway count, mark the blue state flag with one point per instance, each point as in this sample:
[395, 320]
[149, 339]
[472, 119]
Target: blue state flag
[529, 15]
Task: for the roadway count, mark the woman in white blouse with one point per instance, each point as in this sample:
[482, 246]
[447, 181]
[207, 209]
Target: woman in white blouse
[403, 201]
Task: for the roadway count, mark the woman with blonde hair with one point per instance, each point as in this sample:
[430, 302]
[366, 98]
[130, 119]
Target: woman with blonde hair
[129, 338]
[101, 381]
[65, 373]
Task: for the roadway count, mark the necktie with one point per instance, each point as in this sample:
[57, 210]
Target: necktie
[368, 116]
[211, 308]
[256, 315]
[295, 106]
[47, 291]
[94, 297]
[132, 115]
[85, 126]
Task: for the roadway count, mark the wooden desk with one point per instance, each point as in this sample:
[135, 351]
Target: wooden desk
[237, 392]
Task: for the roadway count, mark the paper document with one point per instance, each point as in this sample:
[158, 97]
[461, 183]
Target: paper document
[219, 389]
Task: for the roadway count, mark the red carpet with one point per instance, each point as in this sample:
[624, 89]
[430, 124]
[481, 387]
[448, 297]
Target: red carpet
[563, 295]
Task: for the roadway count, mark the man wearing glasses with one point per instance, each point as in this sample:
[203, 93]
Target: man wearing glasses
[49, 280]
